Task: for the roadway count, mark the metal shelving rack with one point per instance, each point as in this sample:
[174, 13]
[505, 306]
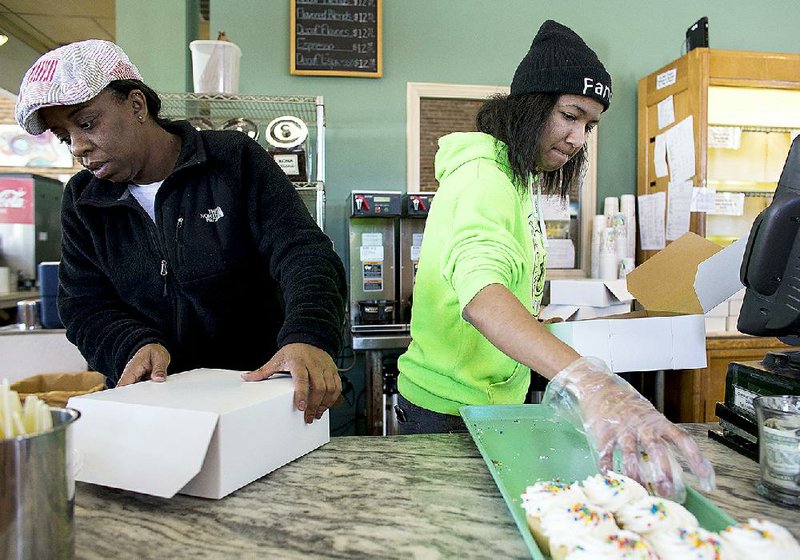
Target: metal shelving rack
[219, 108]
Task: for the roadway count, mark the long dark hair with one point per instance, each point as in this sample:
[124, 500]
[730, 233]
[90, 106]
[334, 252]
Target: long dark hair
[121, 89]
[518, 122]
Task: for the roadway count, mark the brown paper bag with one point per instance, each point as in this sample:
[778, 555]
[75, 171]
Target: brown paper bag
[56, 388]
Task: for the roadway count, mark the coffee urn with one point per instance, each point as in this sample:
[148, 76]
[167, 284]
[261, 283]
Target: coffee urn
[372, 260]
[412, 227]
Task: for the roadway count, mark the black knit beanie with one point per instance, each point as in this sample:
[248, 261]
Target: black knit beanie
[560, 62]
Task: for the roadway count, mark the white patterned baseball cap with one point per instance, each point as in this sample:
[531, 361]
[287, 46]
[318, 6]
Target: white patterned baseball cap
[69, 75]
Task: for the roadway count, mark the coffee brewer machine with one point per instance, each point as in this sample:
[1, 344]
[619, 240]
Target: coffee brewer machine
[373, 261]
[412, 226]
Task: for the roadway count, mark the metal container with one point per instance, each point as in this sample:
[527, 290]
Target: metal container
[37, 492]
[28, 315]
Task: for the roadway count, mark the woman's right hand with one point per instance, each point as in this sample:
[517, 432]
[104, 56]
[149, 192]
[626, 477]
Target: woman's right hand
[149, 362]
[614, 416]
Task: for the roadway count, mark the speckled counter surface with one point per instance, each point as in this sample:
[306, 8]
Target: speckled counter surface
[409, 497]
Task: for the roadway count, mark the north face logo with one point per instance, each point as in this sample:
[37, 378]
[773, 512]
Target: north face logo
[213, 214]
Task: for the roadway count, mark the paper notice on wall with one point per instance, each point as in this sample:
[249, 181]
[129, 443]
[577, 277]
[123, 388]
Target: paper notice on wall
[728, 204]
[703, 199]
[666, 112]
[678, 208]
[680, 150]
[666, 78]
[728, 137]
[660, 156]
[651, 221]
[560, 253]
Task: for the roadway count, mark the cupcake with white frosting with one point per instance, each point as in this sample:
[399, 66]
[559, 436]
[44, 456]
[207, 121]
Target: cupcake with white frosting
[758, 539]
[545, 496]
[617, 545]
[612, 490]
[652, 514]
[686, 544]
[563, 527]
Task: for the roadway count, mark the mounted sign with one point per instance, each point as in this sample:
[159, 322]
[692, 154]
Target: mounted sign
[336, 38]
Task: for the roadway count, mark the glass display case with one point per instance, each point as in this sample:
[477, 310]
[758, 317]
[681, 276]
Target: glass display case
[745, 110]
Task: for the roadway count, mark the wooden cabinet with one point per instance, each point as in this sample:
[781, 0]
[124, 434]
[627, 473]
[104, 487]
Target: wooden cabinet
[754, 95]
[691, 395]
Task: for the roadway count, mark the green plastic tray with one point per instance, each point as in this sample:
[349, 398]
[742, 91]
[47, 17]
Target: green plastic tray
[523, 444]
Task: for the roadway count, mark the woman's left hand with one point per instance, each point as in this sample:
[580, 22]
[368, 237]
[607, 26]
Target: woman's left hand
[317, 384]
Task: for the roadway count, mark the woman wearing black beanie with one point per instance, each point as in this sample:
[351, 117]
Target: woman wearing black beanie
[480, 280]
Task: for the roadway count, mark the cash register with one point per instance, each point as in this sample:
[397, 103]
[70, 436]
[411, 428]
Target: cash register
[771, 274]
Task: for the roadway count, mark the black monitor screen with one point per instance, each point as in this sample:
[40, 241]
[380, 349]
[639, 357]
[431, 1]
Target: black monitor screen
[771, 265]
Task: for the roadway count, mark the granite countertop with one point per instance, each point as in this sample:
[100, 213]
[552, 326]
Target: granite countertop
[426, 497]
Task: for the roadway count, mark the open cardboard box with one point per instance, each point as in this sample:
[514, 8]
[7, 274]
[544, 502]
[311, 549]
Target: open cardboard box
[675, 287]
[202, 432]
[580, 312]
[589, 292]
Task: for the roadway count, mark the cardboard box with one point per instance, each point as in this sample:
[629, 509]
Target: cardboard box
[203, 433]
[675, 287]
[578, 313]
[591, 292]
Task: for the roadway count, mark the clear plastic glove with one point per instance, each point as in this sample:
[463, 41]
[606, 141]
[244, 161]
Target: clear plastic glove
[616, 417]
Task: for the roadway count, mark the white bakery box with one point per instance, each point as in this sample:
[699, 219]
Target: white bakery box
[202, 432]
[675, 288]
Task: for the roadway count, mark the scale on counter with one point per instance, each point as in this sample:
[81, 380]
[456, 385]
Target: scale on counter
[775, 375]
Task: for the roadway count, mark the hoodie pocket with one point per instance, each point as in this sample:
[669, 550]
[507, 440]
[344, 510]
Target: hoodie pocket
[513, 389]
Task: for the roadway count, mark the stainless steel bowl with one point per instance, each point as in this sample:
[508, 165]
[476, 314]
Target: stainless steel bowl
[242, 125]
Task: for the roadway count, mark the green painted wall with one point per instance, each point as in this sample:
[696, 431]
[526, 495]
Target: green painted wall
[155, 34]
[450, 41]
[481, 42]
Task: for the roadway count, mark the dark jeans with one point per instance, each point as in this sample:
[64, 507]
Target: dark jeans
[412, 419]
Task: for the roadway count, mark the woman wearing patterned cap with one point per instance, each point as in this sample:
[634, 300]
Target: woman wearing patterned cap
[481, 271]
[181, 248]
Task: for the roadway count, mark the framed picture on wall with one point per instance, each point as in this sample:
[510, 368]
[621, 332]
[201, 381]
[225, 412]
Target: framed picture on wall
[20, 149]
[336, 38]
[434, 110]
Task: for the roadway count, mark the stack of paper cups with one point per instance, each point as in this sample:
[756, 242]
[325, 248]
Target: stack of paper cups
[625, 266]
[610, 207]
[608, 256]
[628, 208]
[620, 236]
[598, 225]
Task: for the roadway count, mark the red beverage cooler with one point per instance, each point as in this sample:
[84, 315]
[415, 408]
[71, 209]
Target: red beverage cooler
[30, 225]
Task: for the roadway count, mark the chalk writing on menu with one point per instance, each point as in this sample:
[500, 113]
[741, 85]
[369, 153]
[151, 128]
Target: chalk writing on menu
[336, 38]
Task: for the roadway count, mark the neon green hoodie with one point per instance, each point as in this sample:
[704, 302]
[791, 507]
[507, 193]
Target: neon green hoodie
[478, 233]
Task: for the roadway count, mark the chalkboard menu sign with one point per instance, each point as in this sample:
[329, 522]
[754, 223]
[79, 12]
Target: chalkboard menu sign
[336, 38]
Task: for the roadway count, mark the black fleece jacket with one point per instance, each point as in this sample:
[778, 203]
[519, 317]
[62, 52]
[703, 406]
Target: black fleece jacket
[233, 268]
